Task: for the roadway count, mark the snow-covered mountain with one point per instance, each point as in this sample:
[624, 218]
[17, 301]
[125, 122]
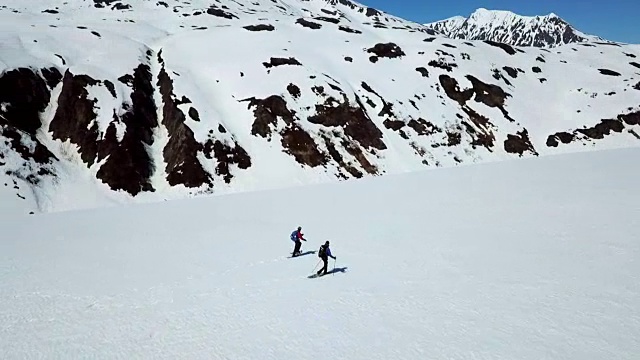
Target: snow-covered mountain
[530, 259]
[513, 29]
[107, 102]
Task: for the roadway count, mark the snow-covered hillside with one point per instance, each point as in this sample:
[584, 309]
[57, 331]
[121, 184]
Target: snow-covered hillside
[109, 102]
[506, 27]
[528, 259]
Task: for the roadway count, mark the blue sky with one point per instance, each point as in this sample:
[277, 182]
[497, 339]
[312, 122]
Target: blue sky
[615, 20]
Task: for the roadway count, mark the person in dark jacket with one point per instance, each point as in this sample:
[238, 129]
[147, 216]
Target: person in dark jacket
[296, 236]
[324, 253]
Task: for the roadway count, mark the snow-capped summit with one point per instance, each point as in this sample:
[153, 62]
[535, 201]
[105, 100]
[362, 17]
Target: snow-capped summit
[513, 29]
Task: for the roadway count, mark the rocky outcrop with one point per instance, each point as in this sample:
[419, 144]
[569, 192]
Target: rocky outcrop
[75, 117]
[181, 152]
[267, 112]
[129, 166]
[227, 156]
[24, 95]
[599, 131]
[353, 119]
[519, 143]
[299, 144]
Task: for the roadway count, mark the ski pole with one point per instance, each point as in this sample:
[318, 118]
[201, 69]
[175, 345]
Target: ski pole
[314, 268]
[335, 260]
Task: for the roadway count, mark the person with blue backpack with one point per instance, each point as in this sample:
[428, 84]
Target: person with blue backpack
[296, 236]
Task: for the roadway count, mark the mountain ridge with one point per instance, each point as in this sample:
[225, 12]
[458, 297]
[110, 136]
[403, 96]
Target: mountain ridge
[145, 101]
[508, 27]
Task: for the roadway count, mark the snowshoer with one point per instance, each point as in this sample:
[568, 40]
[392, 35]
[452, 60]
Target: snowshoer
[296, 236]
[324, 253]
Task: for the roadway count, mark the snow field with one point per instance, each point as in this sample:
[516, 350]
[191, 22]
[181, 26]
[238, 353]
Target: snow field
[523, 259]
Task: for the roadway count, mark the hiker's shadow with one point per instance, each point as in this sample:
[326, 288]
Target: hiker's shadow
[338, 270]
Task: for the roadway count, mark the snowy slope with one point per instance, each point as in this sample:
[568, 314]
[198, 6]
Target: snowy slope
[507, 27]
[104, 103]
[527, 259]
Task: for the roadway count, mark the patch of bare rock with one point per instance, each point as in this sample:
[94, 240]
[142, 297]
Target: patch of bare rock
[386, 50]
[519, 143]
[349, 30]
[507, 48]
[215, 11]
[609, 72]
[597, 132]
[274, 61]
[308, 24]
[260, 27]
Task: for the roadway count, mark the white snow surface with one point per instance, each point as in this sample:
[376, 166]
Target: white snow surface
[216, 62]
[527, 259]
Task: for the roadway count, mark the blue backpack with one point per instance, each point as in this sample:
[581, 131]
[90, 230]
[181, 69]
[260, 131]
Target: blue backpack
[294, 235]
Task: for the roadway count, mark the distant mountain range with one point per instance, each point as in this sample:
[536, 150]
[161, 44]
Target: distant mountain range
[513, 29]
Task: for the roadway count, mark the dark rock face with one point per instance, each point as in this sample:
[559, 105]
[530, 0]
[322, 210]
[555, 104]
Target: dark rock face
[260, 27]
[507, 48]
[387, 50]
[75, 117]
[52, 76]
[564, 137]
[481, 133]
[294, 90]
[26, 95]
[488, 94]
[442, 64]
[394, 124]
[266, 113]
[23, 95]
[337, 157]
[273, 62]
[302, 147]
[605, 127]
[423, 127]
[181, 152]
[328, 19]
[510, 71]
[609, 72]
[519, 143]
[295, 141]
[632, 118]
[423, 71]
[597, 132]
[129, 166]
[220, 13]
[308, 24]
[354, 120]
[357, 153]
[358, 128]
[451, 88]
[227, 156]
[349, 30]
[38, 153]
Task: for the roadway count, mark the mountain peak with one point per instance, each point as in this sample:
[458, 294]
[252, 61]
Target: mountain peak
[508, 27]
